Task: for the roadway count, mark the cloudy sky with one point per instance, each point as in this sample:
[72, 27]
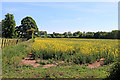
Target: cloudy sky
[66, 16]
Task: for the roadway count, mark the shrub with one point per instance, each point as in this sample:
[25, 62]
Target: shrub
[115, 71]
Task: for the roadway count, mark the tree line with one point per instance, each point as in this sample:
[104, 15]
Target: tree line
[10, 30]
[114, 34]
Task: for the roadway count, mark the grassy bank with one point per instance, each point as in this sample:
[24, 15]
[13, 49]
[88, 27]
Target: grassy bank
[75, 71]
[12, 56]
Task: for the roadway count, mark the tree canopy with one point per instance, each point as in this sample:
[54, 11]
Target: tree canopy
[8, 26]
[26, 24]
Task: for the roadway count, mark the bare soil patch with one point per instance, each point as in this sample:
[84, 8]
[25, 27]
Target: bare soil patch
[48, 65]
[96, 64]
[30, 61]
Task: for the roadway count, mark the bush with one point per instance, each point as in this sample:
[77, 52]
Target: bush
[115, 71]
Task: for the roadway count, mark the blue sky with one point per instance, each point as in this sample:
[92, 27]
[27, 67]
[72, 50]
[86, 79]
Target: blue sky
[66, 16]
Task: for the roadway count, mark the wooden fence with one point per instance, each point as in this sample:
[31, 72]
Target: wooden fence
[6, 42]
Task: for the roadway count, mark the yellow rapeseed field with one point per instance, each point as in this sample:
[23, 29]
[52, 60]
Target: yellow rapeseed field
[97, 48]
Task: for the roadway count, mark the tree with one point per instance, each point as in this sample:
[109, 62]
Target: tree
[65, 34]
[69, 33]
[114, 34]
[8, 26]
[102, 35]
[90, 34]
[43, 33]
[53, 35]
[77, 34]
[97, 35]
[83, 34]
[26, 24]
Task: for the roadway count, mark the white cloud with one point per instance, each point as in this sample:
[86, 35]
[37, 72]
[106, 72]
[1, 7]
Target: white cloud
[10, 9]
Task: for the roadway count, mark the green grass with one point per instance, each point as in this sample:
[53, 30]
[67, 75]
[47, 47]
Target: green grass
[75, 71]
[12, 56]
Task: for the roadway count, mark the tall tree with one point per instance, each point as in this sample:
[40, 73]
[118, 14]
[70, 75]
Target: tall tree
[8, 26]
[26, 24]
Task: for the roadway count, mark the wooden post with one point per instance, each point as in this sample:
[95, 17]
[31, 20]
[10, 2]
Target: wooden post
[32, 32]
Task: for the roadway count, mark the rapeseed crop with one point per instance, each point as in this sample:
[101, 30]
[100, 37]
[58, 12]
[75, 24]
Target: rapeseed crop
[79, 51]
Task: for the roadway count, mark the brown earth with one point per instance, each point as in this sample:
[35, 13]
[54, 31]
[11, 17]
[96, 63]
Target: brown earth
[30, 61]
[48, 65]
[96, 64]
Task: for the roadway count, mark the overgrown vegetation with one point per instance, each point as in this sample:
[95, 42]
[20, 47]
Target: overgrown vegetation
[115, 70]
[12, 55]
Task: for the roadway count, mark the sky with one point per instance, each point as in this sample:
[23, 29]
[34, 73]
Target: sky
[66, 16]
